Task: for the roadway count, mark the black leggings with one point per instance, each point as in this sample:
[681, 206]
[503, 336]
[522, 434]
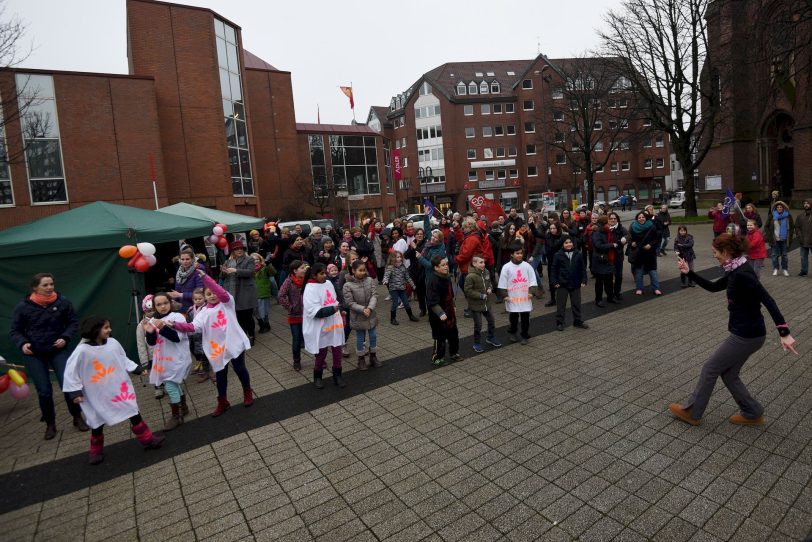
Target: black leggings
[603, 283]
[99, 431]
[242, 373]
[513, 318]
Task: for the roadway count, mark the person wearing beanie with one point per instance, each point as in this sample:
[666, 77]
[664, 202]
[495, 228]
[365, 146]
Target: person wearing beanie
[255, 242]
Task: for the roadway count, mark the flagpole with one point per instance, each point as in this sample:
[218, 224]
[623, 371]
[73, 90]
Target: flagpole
[353, 104]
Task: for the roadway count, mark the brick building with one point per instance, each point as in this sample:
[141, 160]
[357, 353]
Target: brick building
[492, 128]
[217, 121]
[764, 142]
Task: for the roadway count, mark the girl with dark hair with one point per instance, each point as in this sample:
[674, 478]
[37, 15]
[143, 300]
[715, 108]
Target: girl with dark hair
[442, 314]
[745, 295]
[42, 324]
[290, 297]
[604, 245]
[322, 326]
[96, 379]
[622, 236]
[361, 299]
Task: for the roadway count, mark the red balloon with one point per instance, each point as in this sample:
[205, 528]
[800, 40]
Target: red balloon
[4, 383]
[141, 265]
[222, 243]
[134, 259]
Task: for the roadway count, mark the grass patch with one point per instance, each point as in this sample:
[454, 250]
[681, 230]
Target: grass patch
[701, 219]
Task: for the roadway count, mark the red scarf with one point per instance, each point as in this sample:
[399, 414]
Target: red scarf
[298, 282]
[611, 254]
[42, 300]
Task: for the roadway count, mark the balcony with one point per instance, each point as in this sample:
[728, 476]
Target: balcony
[432, 188]
[496, 183]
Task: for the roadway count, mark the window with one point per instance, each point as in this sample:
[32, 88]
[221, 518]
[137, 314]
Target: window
[499, 130]
[612, 103]
[468, 110]
[355, 163]
[647, 143]
[472, 88]
[598, 146]
[495, 87]
[528, 105]
[558, 116]
[559, 137]
[6, 190]
[659, 142]
[501, 174]
[511, 129]
[613, 125]
[558, 94]
[530, 149]
[598, 125]
[472, 154]
[487, 131]
[599, 170]
[510, 107]
[462, 90]
[425, 88]
[643, 191]
[527, 84]
[497, 109]
[488, 174]
[560, 158]
[624, 124]
[512, 151]
[647, 163]
[660, 163]
[514, 173]
[43, 149]
[623, 102]
[576, 147]
[483, 87]
[485, 109]
[469, 132]
[487, 153]
[646, 122]
[624, 145]
[624, 165]
[529, 127]
[405, 162]
[317, 164]
[573, 127]
[614, 166]
[500, 152]
[574, 106]
[231, 90]
[532, 171]
[472, 175]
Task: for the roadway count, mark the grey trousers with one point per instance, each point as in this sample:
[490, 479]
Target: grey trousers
[727, 362]
[561, 295]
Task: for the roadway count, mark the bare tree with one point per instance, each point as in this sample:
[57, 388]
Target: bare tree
[14, 102]
[663, 46]
[595, 114]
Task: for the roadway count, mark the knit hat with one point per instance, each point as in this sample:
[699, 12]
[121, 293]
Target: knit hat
[332, 267]
[146, 304]
[236, 245]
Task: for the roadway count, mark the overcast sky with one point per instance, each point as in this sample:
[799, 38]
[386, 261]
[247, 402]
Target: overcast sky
[327, 43]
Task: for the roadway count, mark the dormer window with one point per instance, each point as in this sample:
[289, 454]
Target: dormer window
[472, 88]
[462, 90]
[495, 87]
[483, 87]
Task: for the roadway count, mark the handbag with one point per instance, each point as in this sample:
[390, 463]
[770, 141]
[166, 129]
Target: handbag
[631, 255]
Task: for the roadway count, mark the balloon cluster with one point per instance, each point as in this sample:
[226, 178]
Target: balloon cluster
[15, 382]
[141, 256]
[218, 236]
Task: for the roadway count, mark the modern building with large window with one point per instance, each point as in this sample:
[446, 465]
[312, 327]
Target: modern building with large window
[493, 128]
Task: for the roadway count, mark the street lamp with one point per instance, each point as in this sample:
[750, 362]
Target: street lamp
[424, 176]
[341, 191]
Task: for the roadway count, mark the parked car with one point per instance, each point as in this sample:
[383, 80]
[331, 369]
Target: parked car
[585, 207]
[416, 218]
[678, 201]
[306, 225]
[614, 203]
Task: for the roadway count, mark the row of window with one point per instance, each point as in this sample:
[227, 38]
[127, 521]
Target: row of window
[510, 129]
[427, 155]
[490, 174]
[428, 132]
[426, 111]
[485, 109]
[488, 153]
[473, 88]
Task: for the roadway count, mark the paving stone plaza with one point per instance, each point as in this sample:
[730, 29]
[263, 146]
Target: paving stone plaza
[567, 438]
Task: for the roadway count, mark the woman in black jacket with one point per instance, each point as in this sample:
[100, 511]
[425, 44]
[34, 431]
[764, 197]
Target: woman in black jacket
[604, 245]
[644, 246]
[552, 244]
[745, 295]
[41, 327]
[621, 236]
[416, 269]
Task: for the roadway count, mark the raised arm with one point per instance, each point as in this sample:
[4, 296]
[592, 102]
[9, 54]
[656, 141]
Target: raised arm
[716, 285]
[212, 285]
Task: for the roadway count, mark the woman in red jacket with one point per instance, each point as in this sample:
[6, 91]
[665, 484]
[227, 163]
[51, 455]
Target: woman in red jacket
[757, 252]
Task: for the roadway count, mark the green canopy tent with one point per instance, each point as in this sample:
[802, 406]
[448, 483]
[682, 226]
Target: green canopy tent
[80, 247]
[235, 222]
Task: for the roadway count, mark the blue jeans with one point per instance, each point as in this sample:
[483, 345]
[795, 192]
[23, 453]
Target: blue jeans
[298, 341]
[263, 308]
[638, 278]
[778, 252]
[398, 296]
[360, 336]
[805, 259]
[37, 371]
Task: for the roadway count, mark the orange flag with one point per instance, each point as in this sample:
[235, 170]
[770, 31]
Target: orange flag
[348, 92]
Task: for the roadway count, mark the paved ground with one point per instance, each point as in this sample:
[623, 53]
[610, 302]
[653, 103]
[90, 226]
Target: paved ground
[567, 438]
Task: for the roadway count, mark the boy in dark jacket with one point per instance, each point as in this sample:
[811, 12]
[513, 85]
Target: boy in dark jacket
[478, 288]
[568, 275]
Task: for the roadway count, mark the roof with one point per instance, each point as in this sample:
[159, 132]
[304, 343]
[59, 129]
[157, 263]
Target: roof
[253, 62]
[234, 221]
[335, 129]
[451, 73]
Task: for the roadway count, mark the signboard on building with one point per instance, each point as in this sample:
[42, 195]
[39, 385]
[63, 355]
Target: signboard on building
[548, 201]
[397, 169]
[713, 182]
[493, 163]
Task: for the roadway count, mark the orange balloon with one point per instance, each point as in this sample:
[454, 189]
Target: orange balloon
[127, 251]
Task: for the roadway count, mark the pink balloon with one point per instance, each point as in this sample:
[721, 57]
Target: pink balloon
[19, 392]
[213, 239]
[151, 260]
[217, 230]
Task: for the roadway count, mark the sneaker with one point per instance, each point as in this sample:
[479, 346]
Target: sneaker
[159, 392]
[478, 348]
[581, 325]
[514, 338]
[559, 327]
[638, 292]
[438, 362]
[466, 313]
[775, 272]
[456, 357]
[802, 274]
[493, 342]
[738, 419]
[786, 273]
[657, 292]
[524, 341]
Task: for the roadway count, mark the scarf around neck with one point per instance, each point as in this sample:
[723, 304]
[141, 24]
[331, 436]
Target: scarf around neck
[41, 299]
[642, 228]
[734, 263]
[298, 282]
[183, 274]
[783, 223]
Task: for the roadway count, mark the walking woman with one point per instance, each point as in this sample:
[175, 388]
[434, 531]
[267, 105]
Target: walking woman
[41, 327]
[745, 295]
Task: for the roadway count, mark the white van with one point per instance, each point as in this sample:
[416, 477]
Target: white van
[678, 201]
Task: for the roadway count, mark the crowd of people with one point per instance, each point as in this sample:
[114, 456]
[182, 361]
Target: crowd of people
[327, 282]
